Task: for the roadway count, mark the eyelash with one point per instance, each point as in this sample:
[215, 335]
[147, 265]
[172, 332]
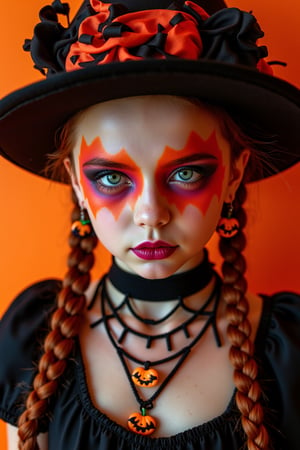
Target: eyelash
[97, 178]
[111, 189]
[203, 172]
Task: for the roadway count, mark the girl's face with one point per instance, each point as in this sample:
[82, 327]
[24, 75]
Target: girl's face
[153, 173]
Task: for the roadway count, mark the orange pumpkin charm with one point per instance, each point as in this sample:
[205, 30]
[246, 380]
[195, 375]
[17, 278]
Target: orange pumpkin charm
[141, 423]
[144, 377]
[81, 228]
[228, 227]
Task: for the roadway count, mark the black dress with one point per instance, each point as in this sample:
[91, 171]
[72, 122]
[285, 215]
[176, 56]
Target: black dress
[76, 424]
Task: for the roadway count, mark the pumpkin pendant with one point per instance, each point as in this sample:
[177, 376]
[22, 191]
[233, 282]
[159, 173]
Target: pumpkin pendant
[81, 228]
[228, 227]
[145, 377]
[141, 423]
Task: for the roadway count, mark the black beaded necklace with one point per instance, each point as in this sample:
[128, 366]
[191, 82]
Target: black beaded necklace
[133, 286]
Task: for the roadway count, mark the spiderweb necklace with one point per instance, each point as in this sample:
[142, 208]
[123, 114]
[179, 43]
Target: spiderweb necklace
[145, 375]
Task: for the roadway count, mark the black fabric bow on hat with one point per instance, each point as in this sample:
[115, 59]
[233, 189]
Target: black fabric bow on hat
[123, 48]
[228, 36]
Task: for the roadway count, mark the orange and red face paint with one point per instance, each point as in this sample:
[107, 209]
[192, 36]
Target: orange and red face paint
[94, 151]
[209, 153]
[200, 198]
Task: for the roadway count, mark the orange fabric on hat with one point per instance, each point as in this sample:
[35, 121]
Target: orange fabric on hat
[143, 25]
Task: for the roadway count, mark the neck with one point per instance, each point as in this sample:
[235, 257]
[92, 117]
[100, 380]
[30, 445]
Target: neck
[155, 310]
[171, 288]
[193, 286]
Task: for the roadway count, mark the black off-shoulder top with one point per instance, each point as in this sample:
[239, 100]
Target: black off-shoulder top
[76, 424]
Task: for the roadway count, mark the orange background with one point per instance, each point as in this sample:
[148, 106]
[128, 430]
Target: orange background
[35, 212]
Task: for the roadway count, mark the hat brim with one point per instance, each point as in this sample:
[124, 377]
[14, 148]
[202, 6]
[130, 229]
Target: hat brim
[30, 117]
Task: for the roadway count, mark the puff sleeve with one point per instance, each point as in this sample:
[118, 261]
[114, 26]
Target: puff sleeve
[282, 350]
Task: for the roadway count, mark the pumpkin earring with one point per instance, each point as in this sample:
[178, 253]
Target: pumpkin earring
[82, 228]
[228, 226]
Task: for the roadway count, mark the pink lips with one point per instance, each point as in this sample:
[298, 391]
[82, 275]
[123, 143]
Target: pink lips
[154, 250]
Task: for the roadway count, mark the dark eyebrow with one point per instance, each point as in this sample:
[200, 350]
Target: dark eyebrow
[191, 158]
[117, 165]
[106, 163]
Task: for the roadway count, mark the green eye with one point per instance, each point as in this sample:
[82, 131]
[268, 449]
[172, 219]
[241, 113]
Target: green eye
[112, 182]
[108, 182]
[113, 178]
[191, 177]
[185, 174]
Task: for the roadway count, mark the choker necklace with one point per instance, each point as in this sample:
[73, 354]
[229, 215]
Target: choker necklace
[146, 375]
[179, 285]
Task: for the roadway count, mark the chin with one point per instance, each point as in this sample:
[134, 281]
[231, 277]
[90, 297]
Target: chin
[155, 270]
[160, 268]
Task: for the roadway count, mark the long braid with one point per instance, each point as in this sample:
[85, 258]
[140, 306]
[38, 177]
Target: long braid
[59, 343]
[239, 329]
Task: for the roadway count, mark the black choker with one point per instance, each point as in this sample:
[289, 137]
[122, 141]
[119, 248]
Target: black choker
[146, 375]
[171, 288]
[193, 326]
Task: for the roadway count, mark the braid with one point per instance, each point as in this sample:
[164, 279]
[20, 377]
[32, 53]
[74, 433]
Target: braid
[59, 343]
[239, 329]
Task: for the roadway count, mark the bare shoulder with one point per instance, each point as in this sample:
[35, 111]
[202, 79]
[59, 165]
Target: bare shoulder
[12, 439]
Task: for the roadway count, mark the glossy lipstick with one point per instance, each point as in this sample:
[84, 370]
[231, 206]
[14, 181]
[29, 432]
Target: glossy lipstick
[154, 250]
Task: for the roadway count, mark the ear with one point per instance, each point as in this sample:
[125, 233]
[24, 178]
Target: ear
[236, 175]
[74, 181]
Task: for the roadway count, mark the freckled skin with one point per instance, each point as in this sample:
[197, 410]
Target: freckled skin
[149, 134]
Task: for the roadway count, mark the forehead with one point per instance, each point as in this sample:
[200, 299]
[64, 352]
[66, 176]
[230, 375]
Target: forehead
[144, 125]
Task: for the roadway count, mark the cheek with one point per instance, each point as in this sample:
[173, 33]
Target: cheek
[200, 198]
[115, 204]
[109, 230]
[200, 227]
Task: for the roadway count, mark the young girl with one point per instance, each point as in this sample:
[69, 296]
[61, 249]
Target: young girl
[157, 114]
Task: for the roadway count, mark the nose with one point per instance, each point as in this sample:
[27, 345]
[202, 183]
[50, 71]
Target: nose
[151, 209]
